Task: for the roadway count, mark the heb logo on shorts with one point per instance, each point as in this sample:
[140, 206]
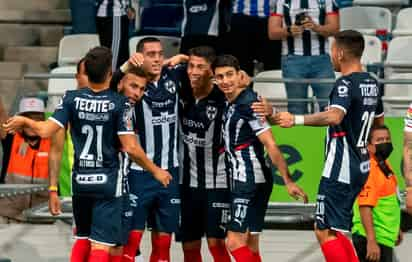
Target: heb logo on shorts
[91, 179]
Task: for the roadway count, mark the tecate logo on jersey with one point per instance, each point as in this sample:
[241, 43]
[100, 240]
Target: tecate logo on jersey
[198, 8]
[93, 106]
[369, 89]
[91, 179]
[165, 119]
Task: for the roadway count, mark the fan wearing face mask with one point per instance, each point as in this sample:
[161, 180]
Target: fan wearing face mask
[376, 220]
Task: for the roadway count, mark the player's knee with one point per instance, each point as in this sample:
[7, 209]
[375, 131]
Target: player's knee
[189, 245]
[116, 251]
[95, 246]
[215, 242]
[235, 241]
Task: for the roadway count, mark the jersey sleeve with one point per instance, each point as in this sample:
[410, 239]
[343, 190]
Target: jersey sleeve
[257, 124]
[408, 119]
[369, 195]
[180, 72]
[125, 119]
[62, 113]
[341, 95]
[331, 7]
[277, 7]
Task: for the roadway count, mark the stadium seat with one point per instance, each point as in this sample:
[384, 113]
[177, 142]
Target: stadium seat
[171, 44]
[399, 54]
[161, 19]
[366, 19]
[397, 96]
[373, 50]
[403, 25]
[57, 86]
[274, 92]
[73, 47]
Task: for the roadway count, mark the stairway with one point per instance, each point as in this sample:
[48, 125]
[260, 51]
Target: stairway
[29, 36]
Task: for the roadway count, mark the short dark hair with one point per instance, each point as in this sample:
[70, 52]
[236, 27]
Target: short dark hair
[352, 41]
[150, 39]
[79, 64]
[98, 63]
[206, 52]
[137, 71]
[376, 128]
[226, 60]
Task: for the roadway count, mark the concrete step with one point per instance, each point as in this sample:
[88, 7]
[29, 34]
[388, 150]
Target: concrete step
[29, 54]
[30, 35]
[16, 70]
[12, 90]
[34, 5]
[56, 16]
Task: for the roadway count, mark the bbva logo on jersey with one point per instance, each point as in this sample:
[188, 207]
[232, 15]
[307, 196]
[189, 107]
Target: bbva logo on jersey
[211, 112]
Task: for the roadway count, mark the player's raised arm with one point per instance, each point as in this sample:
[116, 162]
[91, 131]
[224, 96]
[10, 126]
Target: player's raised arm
[136, 153]
[331, 117]
[44, 129]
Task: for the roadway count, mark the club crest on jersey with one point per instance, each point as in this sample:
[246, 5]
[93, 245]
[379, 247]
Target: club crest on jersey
[211, 112]
[170, 86]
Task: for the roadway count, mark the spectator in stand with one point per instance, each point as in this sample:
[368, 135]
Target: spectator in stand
[83, 14]
[113, 28]
[377, 212]
[304, 27]
[25, 157]
[204, 24]
[248, 36]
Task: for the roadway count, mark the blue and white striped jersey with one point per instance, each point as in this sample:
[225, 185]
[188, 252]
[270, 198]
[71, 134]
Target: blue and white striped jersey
[260, 8]
[203, 164]
[96, 120]
[156, 118]
[244, 151]
[201, 17]
[359, 97]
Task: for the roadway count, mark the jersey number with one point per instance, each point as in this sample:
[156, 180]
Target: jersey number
[367, 120]
[89, 131]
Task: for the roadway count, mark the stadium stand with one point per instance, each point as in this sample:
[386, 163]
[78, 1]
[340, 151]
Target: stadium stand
[381, 2]
[403, 25]
[171, 44]
[60, 85]
[373, 50]
[366, 19]
[73, 47]
[396, 56]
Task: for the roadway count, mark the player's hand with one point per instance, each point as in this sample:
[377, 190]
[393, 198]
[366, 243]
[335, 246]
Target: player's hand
[262, 108]
[131, 13]
[54, 204]
[136, 59]
[175, 60]
[285, 119]
[408, 200]
[163, 177]
[296, 192]
[296, 30]
[14, 124]
[373, 252]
